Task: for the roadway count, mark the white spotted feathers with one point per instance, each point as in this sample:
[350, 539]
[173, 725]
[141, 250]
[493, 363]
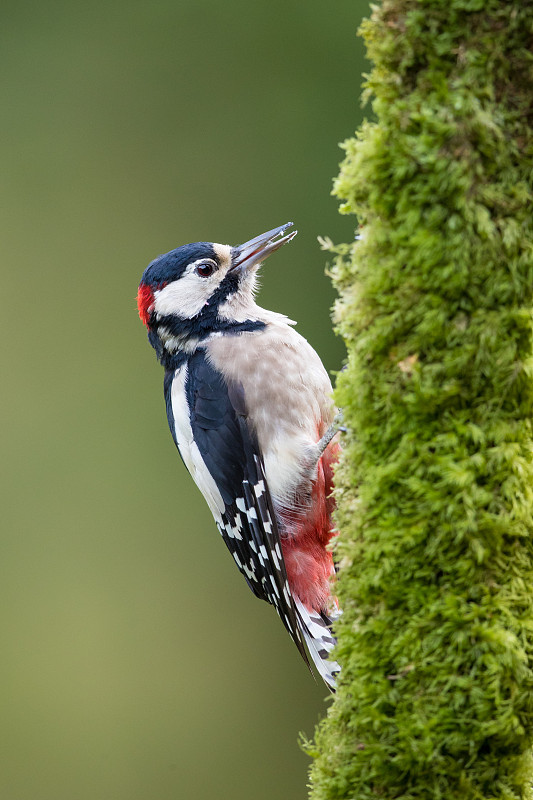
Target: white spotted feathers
[252, 537]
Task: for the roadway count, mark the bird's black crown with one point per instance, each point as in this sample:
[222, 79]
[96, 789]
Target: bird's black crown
[171, 266]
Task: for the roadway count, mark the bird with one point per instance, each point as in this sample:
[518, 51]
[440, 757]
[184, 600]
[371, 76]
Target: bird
[249, 406]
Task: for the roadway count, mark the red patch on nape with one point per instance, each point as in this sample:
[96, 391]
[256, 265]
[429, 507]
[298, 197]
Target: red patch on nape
[145, 302]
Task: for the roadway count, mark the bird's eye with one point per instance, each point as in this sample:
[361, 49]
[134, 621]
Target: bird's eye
[206, 269]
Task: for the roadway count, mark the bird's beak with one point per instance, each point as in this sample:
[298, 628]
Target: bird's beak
[251, 253]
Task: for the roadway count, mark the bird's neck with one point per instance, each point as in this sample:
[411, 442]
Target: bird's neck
[175, 339]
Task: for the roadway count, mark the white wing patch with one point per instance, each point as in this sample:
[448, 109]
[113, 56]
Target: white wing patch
[189, 449]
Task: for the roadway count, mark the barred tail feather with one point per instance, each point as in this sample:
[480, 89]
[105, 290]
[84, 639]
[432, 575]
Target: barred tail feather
[320, 642]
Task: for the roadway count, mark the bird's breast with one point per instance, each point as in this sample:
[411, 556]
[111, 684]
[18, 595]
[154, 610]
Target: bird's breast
[287, 395]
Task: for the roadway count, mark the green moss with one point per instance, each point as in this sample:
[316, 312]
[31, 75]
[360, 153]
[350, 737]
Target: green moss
[435, 488]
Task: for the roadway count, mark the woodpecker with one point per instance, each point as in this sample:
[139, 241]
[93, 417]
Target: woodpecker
[249, 407]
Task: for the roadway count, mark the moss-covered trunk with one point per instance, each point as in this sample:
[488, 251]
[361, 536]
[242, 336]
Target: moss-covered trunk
[436, 485]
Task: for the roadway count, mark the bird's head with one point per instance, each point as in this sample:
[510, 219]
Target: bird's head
[202, 288]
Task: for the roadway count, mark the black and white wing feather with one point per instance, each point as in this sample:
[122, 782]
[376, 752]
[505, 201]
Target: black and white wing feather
[209, 423]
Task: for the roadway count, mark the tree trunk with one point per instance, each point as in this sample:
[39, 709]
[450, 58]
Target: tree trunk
[435, 488]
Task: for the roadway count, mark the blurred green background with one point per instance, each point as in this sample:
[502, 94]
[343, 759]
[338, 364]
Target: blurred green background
[135, 661]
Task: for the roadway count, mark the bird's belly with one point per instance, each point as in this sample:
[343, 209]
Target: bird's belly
[288, 468]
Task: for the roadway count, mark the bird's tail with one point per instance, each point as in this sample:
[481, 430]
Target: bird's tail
[316, 629]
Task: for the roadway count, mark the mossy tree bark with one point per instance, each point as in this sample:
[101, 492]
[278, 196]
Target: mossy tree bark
[435, 488]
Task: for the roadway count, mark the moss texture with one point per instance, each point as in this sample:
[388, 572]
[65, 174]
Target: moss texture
[435, 488]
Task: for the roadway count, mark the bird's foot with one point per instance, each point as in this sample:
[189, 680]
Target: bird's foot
[335, 427]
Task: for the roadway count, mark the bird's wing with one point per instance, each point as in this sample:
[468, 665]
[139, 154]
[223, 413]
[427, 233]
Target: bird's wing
[221, 441]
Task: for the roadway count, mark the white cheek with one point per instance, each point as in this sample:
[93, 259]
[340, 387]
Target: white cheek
[185, 297]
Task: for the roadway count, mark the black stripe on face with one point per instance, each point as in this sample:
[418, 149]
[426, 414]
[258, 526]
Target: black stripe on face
[200, 326]
[185, 330]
